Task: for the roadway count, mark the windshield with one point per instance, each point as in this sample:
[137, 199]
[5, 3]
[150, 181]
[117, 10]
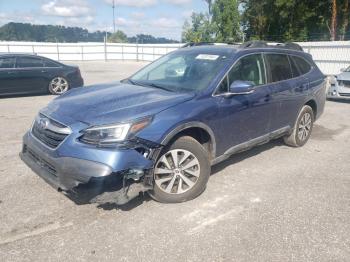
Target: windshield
[347, 69]
[181, 71]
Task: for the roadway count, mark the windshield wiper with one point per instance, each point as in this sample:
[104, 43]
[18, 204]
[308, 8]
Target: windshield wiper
[133, 82]
[137, 83]
[159, 86]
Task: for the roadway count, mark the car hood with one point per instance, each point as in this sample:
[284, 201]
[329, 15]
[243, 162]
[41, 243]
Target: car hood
[344, 76]
[111, 103]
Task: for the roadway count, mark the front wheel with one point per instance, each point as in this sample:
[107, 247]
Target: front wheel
[302, 128]
[58, 85]
[181, 172]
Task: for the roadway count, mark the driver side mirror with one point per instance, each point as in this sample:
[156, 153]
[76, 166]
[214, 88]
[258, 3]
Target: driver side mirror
[240, 87]
[342, 70]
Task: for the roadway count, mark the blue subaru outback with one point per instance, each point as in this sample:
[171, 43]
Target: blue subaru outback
[162, 129]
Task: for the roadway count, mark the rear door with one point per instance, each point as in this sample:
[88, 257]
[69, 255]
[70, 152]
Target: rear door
[7, 75]
[287, 90]
[31, 74]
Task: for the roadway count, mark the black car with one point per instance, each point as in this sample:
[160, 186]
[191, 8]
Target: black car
[32, 74]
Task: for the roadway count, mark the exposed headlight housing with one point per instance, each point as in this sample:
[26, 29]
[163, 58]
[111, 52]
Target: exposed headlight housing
[111, 134]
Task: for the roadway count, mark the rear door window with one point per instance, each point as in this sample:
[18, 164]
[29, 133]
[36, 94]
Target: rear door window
[7, 62]
[303, 66]
[279, 67]
[29, 62]
[295, 69]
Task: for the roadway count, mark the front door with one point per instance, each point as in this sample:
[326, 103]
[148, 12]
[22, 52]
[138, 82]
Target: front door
[244, 117]
[7, 75]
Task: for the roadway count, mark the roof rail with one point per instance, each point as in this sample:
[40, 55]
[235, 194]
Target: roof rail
[265, 44]
[191, 44]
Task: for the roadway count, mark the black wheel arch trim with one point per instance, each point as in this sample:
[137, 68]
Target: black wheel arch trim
[192, 124]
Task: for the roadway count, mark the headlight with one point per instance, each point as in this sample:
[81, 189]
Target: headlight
[109, 134]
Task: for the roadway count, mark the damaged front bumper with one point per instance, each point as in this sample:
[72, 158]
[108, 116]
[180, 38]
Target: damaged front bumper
[337, 91]
[89, 172]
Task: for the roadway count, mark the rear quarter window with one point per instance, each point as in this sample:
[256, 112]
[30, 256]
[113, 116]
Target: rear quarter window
[303, 66]
[279, 67]
[48, 63]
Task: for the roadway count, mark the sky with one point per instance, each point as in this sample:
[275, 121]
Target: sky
[161, 18]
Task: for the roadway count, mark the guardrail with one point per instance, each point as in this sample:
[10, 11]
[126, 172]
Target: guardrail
[90, 51]
[329, 56]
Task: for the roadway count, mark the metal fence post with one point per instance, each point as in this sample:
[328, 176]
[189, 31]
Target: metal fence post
[123, 52]
[137, 52]
[105, 48]
[58, 51]
[8, 48]
[33, 49]
[82, 53]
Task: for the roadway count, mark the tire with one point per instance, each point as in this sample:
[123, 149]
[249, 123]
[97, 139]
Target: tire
[302, 128]
[58, 85]
[186, 180]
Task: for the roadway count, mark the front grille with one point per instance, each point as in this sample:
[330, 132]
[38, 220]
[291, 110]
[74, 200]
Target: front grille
[46, 135]
[40, 161]
[346, 83]
[345, 94]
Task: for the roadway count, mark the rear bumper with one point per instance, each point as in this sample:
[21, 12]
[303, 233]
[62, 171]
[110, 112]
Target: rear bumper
[77, 82]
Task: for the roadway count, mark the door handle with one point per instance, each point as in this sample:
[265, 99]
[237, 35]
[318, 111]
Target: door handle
[43, 71]
[302, 87]
[11, 72]
[267, 98]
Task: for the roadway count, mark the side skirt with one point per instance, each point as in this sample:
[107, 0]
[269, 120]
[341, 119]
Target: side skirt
[252, 143]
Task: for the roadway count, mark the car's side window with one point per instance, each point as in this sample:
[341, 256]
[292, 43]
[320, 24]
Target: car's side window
[48, 63]
[7, 62]
[25, 62]
[279, 67]
[249, 68]
[303, 66]
[295, 69]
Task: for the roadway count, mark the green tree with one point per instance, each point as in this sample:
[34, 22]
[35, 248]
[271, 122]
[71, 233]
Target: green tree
[296, 20]
[118, 37]
[226, 20]
[199, 29]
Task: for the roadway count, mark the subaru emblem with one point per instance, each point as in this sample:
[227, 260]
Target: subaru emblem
[43, 123]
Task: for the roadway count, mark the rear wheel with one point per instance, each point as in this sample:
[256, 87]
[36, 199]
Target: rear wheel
[181, 172]
[302, 128]
[58, 85]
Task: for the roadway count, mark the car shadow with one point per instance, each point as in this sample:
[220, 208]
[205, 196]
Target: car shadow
[344, 101]
[23, 95]
[236, 158]
[134, 203]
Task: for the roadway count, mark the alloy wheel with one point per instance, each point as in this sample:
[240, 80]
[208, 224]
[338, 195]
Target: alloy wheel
[177, 171]
[304, 127]
[59, 85]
